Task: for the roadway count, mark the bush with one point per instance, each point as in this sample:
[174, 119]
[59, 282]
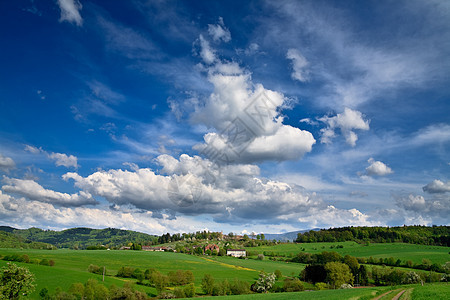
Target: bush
[126, 272]
[222, 288]
[181, 277]
[239, 287]
[208, 284]
[189, 290]
[15, 281]
[411, 277]
[321, 286]
[293, 285]
[179, 293]
[44, 262]
[278, 274]
[95, 269]
[260, 257]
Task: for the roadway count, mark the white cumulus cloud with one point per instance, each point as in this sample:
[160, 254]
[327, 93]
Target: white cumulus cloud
[34, 191]
[65, 160]
[377, 168]
[346, 122]
[6, 163]
[437, 187]
[245, 117]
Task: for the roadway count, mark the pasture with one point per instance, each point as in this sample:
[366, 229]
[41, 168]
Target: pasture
[402, 251]
[71, 266]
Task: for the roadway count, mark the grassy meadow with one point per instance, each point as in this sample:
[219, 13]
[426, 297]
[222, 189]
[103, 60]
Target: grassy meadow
[415, 253]
[435, 291]
[71, 266]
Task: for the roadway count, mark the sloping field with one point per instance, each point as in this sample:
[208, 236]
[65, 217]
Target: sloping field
[71, 266]
[415, 253]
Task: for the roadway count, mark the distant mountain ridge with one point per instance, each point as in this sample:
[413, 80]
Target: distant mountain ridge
[287, 236]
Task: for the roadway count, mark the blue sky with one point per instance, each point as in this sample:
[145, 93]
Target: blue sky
[265, 116]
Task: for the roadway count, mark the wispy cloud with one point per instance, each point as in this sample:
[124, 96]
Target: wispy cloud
[70, 11]
[299, 64]
[61, 159]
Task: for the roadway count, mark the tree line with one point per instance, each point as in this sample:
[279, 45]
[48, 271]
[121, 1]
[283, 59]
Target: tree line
[423, 235]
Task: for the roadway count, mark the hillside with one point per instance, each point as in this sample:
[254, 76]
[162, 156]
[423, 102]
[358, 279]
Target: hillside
[9, 240]
[81, 238]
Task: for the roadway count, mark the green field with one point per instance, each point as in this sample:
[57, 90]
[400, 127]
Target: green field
[71, 266]
[435, 291]
[404, 252]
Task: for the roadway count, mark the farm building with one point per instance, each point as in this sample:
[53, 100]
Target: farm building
[236, 252]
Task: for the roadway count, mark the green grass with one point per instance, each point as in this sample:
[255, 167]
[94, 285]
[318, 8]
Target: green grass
[404, 252]
[435, 291]
[363, 293]
[71, 266]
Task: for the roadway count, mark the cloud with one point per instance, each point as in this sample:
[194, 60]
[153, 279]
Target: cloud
[70, 11]
[346, 122]
[193, 186]
[299, 64]
[127, 41]
[377, 168]
[6, 163]
[437, 187]
[248, 126]
[351, 69]
[24, 213]
[34, 191]
[33, 150]
[436, 133]
[65, 160]
[206, 52]
[219, 31]
[60, 159]
[427, 208]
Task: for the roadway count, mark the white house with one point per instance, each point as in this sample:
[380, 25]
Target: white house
[236, 252]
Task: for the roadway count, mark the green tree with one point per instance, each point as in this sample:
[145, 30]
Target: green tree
[189, 290]
[338, 274]
[161, 282]
[77, 289]
[15, 281]
[239, 287]
[208, 284]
